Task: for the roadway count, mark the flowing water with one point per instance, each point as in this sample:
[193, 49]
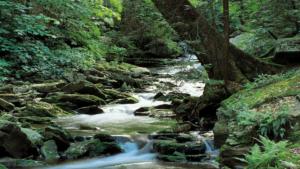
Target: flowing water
[119, 119]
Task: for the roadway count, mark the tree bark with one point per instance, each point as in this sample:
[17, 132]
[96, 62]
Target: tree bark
[192, 26]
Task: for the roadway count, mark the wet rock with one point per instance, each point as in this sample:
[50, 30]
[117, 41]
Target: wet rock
[172, 96]
[91, 110]
[176, 157]
[16, 142]
[158, 95]
[91, 148]
[42, 109]
[84, 87]
[80, 100]
[128, 100]
[119, 97]
[5, 105]
[143, 111]
[21, 163]
[61, 137]
[49, 151]
[169, 147]
[104, 137]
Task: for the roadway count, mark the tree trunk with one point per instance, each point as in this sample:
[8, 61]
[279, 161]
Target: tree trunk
[192, 26]
[241, 67]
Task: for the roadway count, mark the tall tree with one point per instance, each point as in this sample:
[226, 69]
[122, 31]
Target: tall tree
[241, 67]
[193, 26]
[226, 39]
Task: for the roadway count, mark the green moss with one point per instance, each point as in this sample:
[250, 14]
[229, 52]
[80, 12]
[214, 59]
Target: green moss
[250, 98]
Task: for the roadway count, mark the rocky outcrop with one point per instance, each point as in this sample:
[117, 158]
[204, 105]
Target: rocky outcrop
[268, 107]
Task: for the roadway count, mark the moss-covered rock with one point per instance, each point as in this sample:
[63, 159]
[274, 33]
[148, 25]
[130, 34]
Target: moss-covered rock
[61, 137]
[49, 151]
[84, 87]
[91, 148]
[90, 110]
[119, 97]
[42, 109]
[79, 100]
[266, 107]
[17, 143]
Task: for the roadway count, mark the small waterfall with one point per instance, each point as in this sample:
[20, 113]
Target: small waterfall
[209, 146]
[132, 154]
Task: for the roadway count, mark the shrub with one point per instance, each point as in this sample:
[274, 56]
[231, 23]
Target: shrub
[271, 155]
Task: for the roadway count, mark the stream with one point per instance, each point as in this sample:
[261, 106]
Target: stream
[130, 131]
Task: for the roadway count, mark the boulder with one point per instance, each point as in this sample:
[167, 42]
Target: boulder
[143, 111]
[264, 43]
[84, 87]
[128, 100]
[16, 142]
[91, 110]
[6, 106]
[61, 137]
[42, 109]
[91, 148]
[80, 100]
[49, 151]
[119, 97]
[34, 137]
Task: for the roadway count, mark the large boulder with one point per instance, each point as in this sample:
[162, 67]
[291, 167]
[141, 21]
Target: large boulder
[256, 44]
[91, 148]
[17, 142]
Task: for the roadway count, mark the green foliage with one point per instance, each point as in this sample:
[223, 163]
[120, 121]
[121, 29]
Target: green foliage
[265, 79]
[144, 24]
[271, 155]
[269, 123]
[49, 37]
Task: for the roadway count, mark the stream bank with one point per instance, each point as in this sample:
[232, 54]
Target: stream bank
[62, 120]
